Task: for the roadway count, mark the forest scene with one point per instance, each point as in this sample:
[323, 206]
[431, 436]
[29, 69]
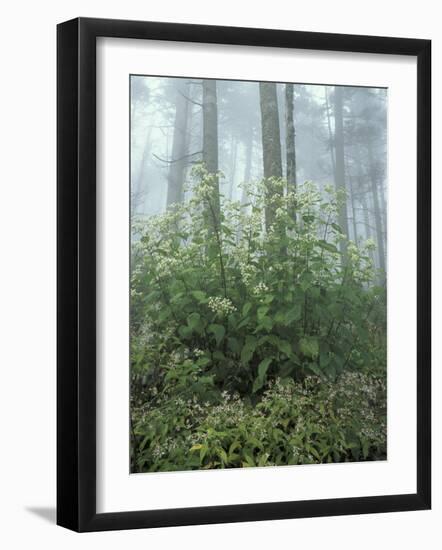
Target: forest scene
[258, 322]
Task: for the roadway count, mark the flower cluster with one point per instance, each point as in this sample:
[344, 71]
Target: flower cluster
[221, 306]
[260, 288]
[218, 290]
[295, 423]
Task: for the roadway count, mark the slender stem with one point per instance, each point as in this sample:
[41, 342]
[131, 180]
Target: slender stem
[218, 238]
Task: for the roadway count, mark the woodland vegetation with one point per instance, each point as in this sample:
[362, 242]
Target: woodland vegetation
[258, 283]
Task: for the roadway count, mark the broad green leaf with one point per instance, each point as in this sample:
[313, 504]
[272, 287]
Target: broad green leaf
[234, 345]
[262, 312]
[243, 323]
[199, 295]
[265, 323]
[185, 331]
[263, 367]
[285, 347]
[324, 359]
[194, 321]
[219, 331]
[262, 371]
[203, 361]
[294, 313]
[309, 347]
[248, 349]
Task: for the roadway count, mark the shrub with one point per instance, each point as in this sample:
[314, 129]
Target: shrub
[313, 421]
[222, 303]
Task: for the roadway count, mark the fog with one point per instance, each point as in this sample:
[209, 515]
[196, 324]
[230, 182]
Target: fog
[167, 117]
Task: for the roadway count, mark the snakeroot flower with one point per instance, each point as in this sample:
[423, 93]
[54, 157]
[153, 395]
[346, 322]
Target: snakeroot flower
[221, 306]
[260, 288]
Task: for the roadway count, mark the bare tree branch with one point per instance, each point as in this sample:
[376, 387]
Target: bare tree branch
[178, 159]
[191, 100]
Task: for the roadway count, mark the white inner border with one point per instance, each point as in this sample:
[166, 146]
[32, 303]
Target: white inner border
[116, 489]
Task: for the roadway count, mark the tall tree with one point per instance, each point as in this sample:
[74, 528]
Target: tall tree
[290, 137]
[139, 190]
[375, 184]
[210, 126]
[179, 146]
[271, 142]
[290, 146]
[330, 135]
[248, 164]
[210, 149]
[210, 135]
[340, 160]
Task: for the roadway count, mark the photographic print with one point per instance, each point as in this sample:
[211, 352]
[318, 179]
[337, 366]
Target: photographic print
[258, 320]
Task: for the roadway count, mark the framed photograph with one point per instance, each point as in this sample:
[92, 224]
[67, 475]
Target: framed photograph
[243, 274]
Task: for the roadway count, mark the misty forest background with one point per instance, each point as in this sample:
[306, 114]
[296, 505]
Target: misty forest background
[258, 323]
[340, 137]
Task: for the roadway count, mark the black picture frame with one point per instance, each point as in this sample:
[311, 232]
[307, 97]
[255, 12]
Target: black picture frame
[76, 274]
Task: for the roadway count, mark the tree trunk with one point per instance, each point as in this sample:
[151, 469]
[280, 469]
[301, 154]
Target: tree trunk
[233, 159]
[340, 162]
[376, 206]
[290, 138]
[330, 135]
[210, 135]
[210, 145]
[248, 165]
[367, 224]
[290, 146]
[179, 147]
[271, 141]
[353, 209]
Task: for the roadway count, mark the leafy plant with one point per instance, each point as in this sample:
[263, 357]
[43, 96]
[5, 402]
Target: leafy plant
[222, 306]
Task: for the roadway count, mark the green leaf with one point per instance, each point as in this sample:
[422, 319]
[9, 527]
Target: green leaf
[246, 308]
[324, 359]
[234, 345]
[315, 369]
[185, 332]
[280, 318]
[284, 347]
[164, 314]
[199, 295]
[263, 459]
[194, 321]
[265, 323]
[306, 281]
[235, 445]
[248, 349]
[294, 314]
[249, 461]
[203, 361]
[328, 246]
[309, 347]
[219, 331]
[222, 455]
[308, 218]
[286, 370]
[262, 312]
[365, 448]
[263, 367]
[203, 452]
[262, 371]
